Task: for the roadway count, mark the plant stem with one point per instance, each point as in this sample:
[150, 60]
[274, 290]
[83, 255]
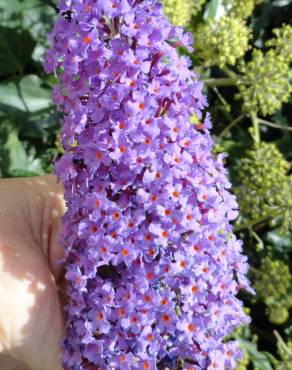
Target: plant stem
[280, 339]
[256, 128]
[211, 82]
[249, 225]
[229, 127]
[258, 239]
[231, 74]
[274, 125]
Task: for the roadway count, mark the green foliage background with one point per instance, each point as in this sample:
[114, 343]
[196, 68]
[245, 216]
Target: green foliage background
[246, 67]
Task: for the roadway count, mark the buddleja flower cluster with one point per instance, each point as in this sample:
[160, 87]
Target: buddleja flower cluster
[273, 286]
[265, 189]
[153, 267]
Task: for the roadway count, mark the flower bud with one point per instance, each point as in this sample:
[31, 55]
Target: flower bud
[266, 82]
[221, 42]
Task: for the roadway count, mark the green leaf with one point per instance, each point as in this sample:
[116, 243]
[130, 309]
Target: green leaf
[282, 243]
[259, 359]
[25, 95]
[214, 10]
[41, 126]
[16, 48]
[26, 14]
[31, 15]
[20, 164]
[281, 3]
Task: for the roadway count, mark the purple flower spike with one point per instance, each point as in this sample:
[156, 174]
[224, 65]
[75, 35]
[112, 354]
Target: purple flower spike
[152, 264]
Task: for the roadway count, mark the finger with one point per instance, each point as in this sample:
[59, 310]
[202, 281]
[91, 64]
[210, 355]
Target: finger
[31, 323]
[33, 207]
[45, 198]
[9, 363]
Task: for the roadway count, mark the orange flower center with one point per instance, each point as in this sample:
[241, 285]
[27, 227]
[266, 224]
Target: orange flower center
[122, 358]
[183, 264]
[98, 155]
[147, 141]
[166, 317]
[116, 215]
[125, 252]
[146, 365]
[191, 327]
[150, 337]
[150, 275]
[147, 298]
[121, 312]
[194, 289]
[165, 234]
[94, 228]
[100, 316]
[148, 237]
[164, 301]
[151, 252]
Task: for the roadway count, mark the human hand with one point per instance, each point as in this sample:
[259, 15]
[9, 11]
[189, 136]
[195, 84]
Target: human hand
[31, 322]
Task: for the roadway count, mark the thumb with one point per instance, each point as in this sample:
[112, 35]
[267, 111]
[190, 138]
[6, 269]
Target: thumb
[31, 322]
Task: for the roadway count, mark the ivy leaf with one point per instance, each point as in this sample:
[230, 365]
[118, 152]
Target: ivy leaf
[214, 10]
[16, 48]
[259, 359]
[31, 15]
[281, 3]
[282, 243]
[19, 162]
[26, 95]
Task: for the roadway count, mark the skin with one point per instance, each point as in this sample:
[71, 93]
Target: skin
[31, 279]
